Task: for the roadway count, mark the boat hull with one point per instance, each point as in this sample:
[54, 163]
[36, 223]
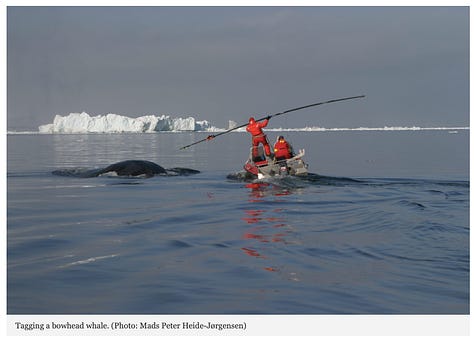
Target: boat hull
[268, 167]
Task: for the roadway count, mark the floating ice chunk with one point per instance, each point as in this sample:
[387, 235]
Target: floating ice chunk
[232, 124]
[49, 128]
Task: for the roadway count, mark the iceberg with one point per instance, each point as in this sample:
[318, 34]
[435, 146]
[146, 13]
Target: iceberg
[114, 123]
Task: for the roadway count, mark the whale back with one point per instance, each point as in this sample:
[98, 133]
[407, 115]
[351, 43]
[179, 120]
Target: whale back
[127, 168]
[134, 168]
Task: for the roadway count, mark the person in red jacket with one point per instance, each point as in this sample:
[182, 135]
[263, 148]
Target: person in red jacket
[258, 137]
[282, 149]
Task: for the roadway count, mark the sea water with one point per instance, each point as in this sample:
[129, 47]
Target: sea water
[381, 227]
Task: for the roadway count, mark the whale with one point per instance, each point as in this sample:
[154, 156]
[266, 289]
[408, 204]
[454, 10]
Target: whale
[134, 168]
[126, 168]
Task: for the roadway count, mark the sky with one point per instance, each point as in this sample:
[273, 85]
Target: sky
[229, 63]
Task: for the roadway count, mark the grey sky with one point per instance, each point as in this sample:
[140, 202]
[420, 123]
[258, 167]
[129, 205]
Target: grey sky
[227, 63]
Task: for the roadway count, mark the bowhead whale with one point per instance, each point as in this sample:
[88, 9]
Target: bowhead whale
[127, 168]
[134, 168]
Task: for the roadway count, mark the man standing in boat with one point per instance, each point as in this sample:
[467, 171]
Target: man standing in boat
[258, 137]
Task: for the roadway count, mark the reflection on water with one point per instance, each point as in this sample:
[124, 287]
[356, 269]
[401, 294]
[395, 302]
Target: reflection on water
[267, 228]
[261, 190]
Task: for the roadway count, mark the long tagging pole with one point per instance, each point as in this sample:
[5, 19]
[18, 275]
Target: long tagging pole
[210, 137]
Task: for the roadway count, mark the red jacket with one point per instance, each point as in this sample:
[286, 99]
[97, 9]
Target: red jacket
[282, 149]
[255, 128]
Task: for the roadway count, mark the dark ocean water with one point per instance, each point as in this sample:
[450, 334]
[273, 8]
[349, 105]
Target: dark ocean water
[381, 227]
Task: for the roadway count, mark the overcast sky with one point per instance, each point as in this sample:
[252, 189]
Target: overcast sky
[227, 63]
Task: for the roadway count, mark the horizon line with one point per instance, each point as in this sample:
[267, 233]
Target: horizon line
[304, 129]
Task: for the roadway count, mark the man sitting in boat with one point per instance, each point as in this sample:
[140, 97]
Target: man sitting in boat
[258, 137]
[282, 149]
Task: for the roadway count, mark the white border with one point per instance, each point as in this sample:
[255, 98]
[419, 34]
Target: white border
[254, 325]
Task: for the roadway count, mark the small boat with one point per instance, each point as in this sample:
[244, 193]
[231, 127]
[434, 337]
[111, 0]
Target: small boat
[259, 166]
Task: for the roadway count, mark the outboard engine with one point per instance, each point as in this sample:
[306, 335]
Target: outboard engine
[283, 168]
